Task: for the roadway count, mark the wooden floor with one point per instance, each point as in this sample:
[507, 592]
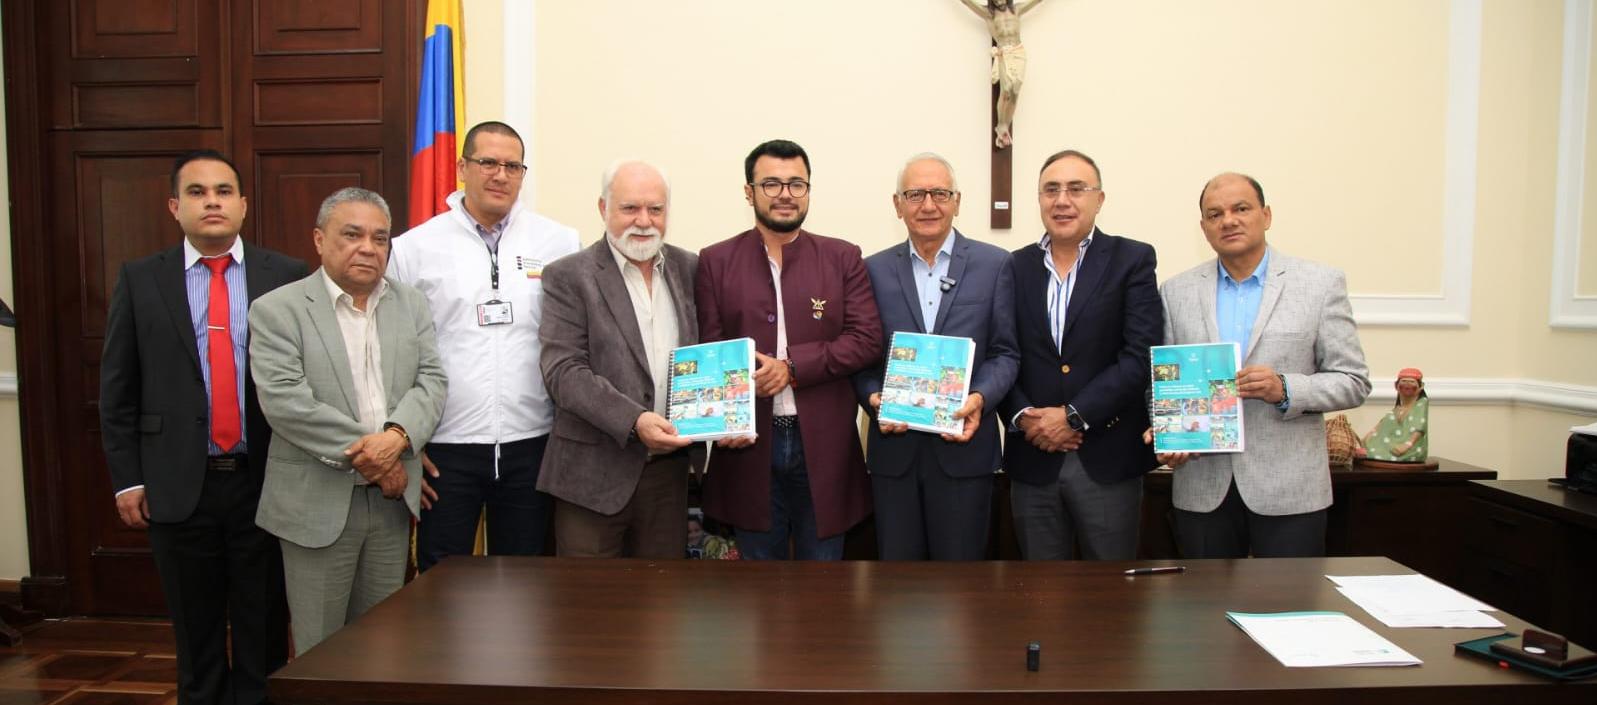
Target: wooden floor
[91, 662]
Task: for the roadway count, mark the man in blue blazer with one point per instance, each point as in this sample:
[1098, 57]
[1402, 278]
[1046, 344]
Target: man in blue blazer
[934, 491]
[1087, 307]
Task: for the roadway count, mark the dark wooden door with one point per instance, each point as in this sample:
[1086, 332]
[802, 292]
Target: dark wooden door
[305, 95]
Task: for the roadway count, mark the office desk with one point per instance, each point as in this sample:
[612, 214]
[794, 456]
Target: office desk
[1529, 547]
[516, 630]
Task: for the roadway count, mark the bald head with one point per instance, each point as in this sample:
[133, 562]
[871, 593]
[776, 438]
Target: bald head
[634, 201]
[1231, 176]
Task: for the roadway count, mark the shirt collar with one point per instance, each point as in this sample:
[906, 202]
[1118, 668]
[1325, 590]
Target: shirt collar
[1259, 272]
[622, 261]
[1045, 243]
[337, 292]
[947, 250]
[192, 255]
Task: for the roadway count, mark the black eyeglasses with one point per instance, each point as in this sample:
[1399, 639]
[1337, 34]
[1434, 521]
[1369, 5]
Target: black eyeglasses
[489, 167]
[918, 195]
[773, 188]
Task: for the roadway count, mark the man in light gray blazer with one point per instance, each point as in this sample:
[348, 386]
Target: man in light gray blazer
[1301, 358]
[611, 316]
[348, 374]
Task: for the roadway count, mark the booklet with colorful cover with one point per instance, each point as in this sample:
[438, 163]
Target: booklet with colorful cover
[1195, 403]
[712, 390]
[927, 380]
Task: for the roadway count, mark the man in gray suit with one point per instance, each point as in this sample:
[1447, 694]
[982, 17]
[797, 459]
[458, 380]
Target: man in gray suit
[611, 316]
[349, 376]
[934, 492]
[1301, 358]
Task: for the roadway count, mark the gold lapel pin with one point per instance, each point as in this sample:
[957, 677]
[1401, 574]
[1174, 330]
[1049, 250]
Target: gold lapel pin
[817, 308]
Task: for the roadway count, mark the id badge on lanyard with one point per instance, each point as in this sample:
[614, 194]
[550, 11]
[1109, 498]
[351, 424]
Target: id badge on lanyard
[494, 312]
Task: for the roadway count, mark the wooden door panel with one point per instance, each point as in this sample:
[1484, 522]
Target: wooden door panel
[298, 182]
[322, 101]
[135, 28]
[318, 26]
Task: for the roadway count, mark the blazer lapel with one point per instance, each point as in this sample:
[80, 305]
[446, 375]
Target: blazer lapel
[1089, 274]
[1206, 302]
[613, 289]
[171, 282]
[321, 313]
[1031, 284]
[906, 284]
[1272, 294]
[956, 272]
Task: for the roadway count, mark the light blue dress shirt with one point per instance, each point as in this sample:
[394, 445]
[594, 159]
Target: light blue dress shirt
[929, 280]
[1236, 304]
[1060, 288]
[197, 282]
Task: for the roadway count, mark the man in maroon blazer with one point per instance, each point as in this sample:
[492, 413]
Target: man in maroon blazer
[807, 302]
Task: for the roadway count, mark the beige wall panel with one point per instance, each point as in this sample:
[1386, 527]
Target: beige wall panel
[1586, 271]
[485, 77]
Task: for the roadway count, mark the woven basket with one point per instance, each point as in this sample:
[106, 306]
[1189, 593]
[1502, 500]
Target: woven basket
[1340, 441]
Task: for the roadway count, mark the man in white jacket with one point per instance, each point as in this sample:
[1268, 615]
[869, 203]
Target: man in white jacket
[480, 264]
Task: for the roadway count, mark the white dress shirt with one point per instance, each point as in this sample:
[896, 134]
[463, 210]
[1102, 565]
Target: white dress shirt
[657, 319]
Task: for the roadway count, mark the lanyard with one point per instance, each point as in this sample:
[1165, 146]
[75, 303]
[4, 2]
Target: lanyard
[493, 265]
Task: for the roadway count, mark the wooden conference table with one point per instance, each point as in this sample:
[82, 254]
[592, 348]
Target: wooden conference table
[516, 630]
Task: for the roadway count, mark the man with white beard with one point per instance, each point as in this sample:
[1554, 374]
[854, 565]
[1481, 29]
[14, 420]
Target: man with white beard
[611, 316]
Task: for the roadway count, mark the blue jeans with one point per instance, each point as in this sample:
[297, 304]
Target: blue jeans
[792, 509]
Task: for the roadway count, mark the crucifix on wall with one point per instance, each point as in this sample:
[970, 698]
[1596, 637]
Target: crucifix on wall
[1008, 71]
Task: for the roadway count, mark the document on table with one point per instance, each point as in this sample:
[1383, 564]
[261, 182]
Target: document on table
[1312, 639]
[1414, 601]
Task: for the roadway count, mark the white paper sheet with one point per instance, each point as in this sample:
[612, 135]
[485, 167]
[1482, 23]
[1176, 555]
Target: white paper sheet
[1462, 619]
[1406, 594]
[1315, 639]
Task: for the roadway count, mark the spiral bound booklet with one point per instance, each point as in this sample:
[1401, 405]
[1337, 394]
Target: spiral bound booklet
[712, 390]
[1195, 403]
[927, 380]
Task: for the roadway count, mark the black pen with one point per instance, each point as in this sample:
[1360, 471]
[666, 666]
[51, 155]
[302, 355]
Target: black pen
[1161, 570]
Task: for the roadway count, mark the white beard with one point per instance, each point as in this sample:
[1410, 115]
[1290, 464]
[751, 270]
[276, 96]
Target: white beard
[639, 251]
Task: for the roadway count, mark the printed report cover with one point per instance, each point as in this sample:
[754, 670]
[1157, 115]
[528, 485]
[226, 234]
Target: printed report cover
[712, 390]
[1195, 403]
[927, 380]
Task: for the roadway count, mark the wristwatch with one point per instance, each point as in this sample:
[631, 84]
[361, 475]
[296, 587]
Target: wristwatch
[1073, 418]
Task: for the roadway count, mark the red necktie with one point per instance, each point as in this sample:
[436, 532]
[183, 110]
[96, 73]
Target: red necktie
[219, 350]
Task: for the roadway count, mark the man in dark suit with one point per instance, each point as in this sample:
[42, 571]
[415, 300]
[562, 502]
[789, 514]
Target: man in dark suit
[806, 301]
[1087, 307]
[611, 316]
[187, 456]
[934, 492]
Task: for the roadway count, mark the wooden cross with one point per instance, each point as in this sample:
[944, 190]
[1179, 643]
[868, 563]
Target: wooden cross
[1008, 70]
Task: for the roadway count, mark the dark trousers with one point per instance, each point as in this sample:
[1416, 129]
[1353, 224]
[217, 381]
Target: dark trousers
[653, 524]
[218, 569]
[518, 514]
[1234, 531]
[925, 514]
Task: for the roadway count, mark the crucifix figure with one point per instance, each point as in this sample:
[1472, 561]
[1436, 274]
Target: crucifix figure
[1009, 57]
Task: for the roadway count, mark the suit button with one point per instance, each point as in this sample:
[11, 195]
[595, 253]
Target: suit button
[770, 318]
[200, 421]
[1064, 369]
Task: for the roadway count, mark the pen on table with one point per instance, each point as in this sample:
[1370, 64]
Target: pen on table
[1161, 570]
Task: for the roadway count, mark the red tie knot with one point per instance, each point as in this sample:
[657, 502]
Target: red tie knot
[217, 264]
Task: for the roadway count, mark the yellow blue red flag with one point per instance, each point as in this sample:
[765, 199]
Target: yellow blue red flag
[440, 110]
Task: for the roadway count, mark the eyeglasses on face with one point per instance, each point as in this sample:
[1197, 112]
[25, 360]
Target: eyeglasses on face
[919, 195]
[773, 188]
[1074, 192]
[489, 167]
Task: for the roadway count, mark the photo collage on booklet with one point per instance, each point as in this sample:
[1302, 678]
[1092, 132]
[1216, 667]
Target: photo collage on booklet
[1195, 407]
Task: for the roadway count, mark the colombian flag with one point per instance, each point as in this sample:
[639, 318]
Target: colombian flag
[440, 110]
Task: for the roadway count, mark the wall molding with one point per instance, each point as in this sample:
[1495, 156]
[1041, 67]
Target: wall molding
[521, 85]
[1460, 165]
[1568, 309]
[1451, 391]
[8, 385]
